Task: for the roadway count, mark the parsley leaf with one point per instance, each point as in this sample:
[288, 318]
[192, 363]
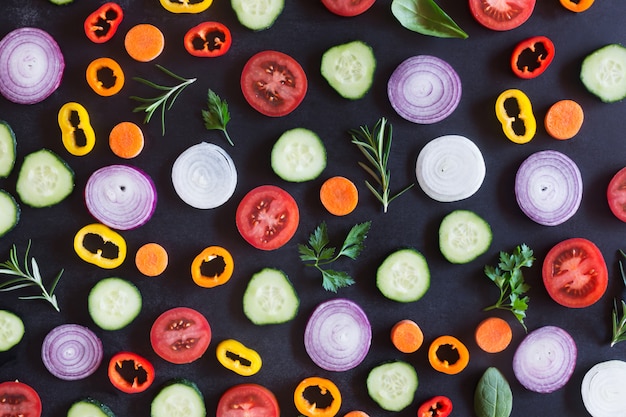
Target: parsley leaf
[217, 116]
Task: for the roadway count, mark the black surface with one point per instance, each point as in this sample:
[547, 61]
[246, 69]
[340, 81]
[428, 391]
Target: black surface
[457, 294]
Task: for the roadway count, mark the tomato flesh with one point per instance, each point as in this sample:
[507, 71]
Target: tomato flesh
[248, 400]
[575, 273]
[180, 335]
[18, 399]
[348, 8]
[616, 194]
[501, 14]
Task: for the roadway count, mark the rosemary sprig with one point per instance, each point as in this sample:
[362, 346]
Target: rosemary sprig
[619, 318]
[376, 146]
[165, 101]
[23, 277]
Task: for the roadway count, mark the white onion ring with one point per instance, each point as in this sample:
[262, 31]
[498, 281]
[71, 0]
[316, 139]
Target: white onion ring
[71, 352]
[31, 65]
[424, 89]
[548, 187]
[338, 335]
[122, 197]
[204, 176]
[603, 389]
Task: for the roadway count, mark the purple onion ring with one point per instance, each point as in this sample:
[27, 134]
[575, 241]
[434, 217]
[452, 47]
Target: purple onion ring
[71, 352]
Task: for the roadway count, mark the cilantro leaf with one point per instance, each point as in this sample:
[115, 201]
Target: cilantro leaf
[217, 116]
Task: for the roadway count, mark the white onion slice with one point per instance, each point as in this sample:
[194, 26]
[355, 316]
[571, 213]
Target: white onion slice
[545, 360]
[204, 176]
[603, 389]
[71, 352]
[548, 187]
[338, 335]
[31, 65]
[450, 168]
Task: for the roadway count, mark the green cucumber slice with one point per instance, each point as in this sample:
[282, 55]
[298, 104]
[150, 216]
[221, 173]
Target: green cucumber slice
[44, 179]
[270, 298]
[89, 407]
[61, 2]
[392, 385]
[257, 14]
[8, 146]
[113, 303]
[11, 330]
[403, 276]
[349, 68]
[298, 155]
[178, 398]
[463, 236]
[603, 73]
[9, 213]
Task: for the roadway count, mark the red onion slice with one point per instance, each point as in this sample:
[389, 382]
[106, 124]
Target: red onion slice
[548, 187]
[424, 89]
[71, 352]
[31, 65]
[122, 197]
[544, 361]
[338, 335]
[603, 389]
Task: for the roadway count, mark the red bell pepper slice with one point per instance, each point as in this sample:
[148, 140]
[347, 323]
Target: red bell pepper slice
[208, 39]
[439, 406]
[101, 25]
[532, 56]
[130, 373]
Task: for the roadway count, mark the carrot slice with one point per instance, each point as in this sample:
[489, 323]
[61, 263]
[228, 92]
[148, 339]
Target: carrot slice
[339, 196]
[564, 119]
[493, 334]
[126, 140]
[144, 42]
[151, 259]
[356, 413]
[407, 336]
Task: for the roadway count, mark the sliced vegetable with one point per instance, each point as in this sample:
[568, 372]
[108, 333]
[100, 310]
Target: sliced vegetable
[208, 39]
[257, 14]
[463, 236]
[349, 68]
[493, 334]
[564, 119]
[32, 65]
[247, 400]
[102, 23]
[403, 276]
[8, 147]
[19, 399]
[180, 335]
[439, 406]
[71, 352]
[186, 6]
[89, 407]
[501, 15]
[448, 355]
[178, 398]
[237, 357]
[44, 179]
[61, 2]
[532, 56]
[212, 267]
[407, 336]
[151, 259]
[548, 187]
[97, 244]
[144, 42]
[356, 413]
[348, 8]
[114, 303]
[105, 76]
[317, 397]
[515, 113]
[450, 168]
[392, 385]
[10, 210]
[577, 5]
[204, 176]
[603, 389]
[424, 89]
[427, 18]
[77, 134]
[126, 140]
[493, 396]
[603, 73]
[298, 155]
[616, 194]
[270, 298]
[339, 195]
[216, 116]
[130, 373]
[11, 330]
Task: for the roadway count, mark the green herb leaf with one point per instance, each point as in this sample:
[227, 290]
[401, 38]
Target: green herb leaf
[619, 315]
[427, 18]
[216, 116]
[353, 245]
[333, 280]
[493, 396]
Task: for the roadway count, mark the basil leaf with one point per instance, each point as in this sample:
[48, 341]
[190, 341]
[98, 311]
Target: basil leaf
[493, 396]
[427, 18]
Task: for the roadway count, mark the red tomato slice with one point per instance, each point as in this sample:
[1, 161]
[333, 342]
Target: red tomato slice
[273, 83]
[616, 194]
[267, 217]
[180, 335]
[501, 14]
[348, 8]
[19, 399]
[575, 273]
[248, 400]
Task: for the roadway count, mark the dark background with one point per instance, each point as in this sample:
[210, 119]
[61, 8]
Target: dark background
[458, 292]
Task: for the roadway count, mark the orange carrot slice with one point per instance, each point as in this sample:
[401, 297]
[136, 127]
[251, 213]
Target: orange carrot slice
[356, 413]
[493, 334]
[144, 42]
[126, 140]
[339, 196]
[564, 119]
[407, 336]
[151, 259]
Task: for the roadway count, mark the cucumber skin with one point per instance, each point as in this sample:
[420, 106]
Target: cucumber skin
[587, 74]
[278, 155]
[16, 214]
[102, 286]
[249, 310]
[105, 411]
[11, 134]
[449, 221]
[10, 344]
[381, 278]
[22, 182]
[256, 26]
[172, 384]
[392, 404]
[327, 69]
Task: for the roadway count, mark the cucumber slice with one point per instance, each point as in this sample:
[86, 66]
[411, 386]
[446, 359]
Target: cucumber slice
[298, 155]
[89, 407]
[603, 72]
[270, 298]
[403, 276]
[61, 2]
[44, 179]
[257, 14]
[178, 398]
[463, 236]
[11, 330]
[114, 303]
[9, 213]
[392, 385]
[8, 146]
[349, 68]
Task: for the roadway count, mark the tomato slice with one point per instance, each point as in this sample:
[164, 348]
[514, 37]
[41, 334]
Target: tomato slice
[575, 273]
[180, 335]
[273, 83]
[348, 8]
[501, 14]
[248, 400]
[616, 194]
[19, 399]
[267, 217]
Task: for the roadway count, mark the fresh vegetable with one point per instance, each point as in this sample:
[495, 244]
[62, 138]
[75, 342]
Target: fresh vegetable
[151, 259]
[257, 15]
[32, 65]
[493, 334]
[267, 217]
[97, 244]
[71, 352]
[10, 212]
[216, 116]
[376, 147]
[247, 400]
[493, 396]
[25, 276]
[61, 2]
[11, 330]
[616, 196]
[509, 279]
[392, 385]
[126, 140]
[105, 76]
[144, 42]
[515, 113]
[448, 355]
[318, 254]
[298, 155]
[532, 56]
[270, 298]
[237, 357]
[89, 407]
[574, 273]
[44, 179]
[564, 119]
[618, 320]
[349, 68]
[273, 83]
[603, 72]
[114, 303]
[501, 15]
[165, 101]
[406, 336]
[603, 389]
[463, 236]
[204, 176]
[577, 5]
[339, 195]
[348, 8]
[212, 267]
[208, 39]
[438, 406]
[102, 23]
[77, 134]
[8, 147]
[548, 187]
[424, 89]
[317, 397]
[427, 18]
[130, 373]
[178, 398]
[19, 399]
[450, 168]
[356, 413]
[403, 276]
[338, 335]
[185, 6]
[180, 335]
